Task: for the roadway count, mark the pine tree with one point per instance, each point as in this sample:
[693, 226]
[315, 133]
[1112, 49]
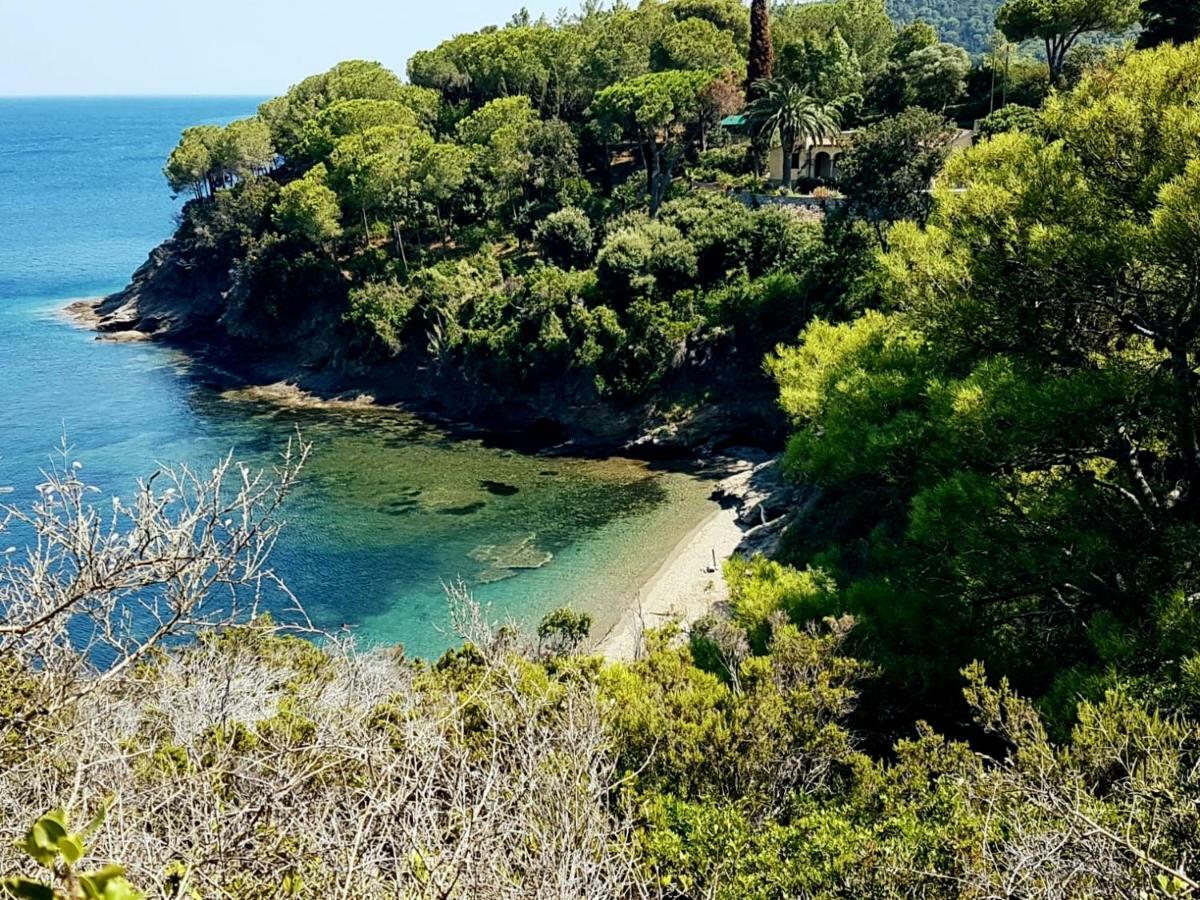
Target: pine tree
[762, 54]
[1169, 20]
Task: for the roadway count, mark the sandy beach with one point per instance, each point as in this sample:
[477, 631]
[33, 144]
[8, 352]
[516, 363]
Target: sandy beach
[687, 585]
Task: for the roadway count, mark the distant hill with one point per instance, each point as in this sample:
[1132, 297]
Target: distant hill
[967, 23]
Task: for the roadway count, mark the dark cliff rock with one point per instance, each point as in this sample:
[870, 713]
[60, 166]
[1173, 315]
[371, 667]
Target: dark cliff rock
[176, 297]
[167, 295]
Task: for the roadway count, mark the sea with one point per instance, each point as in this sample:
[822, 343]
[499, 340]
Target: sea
[390, 510]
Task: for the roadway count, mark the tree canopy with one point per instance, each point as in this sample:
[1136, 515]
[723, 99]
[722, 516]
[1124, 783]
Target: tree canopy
[1058, 24]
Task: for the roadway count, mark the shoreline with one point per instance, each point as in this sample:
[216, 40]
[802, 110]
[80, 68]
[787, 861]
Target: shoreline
[702, 408]
[685, 586]
[753, 508]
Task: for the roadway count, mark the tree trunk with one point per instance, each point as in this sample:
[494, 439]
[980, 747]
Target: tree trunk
[660, 179]
[1056, 54]
[400, 244]
[1185, 422]
[650, 159]
[787, 145]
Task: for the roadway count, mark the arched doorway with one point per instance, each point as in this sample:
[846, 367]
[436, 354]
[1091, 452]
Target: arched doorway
[823, 165]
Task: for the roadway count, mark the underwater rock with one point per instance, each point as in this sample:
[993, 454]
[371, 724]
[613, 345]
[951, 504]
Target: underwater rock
[506, 560]
[499, 488]
[465, 510]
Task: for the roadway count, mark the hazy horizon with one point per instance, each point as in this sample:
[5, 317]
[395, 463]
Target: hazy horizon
[241, 50]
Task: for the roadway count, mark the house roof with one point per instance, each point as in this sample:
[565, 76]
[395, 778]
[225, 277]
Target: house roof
[733, 121]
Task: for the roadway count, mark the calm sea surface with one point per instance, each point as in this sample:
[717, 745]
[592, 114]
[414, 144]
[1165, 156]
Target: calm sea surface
[390, 508]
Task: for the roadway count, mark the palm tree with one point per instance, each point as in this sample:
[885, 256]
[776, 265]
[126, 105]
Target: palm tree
[787, 109]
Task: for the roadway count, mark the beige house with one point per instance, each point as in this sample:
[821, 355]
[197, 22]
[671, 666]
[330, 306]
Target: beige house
[819, 160]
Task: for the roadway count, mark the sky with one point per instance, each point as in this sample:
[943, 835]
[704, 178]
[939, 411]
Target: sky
[86, 47]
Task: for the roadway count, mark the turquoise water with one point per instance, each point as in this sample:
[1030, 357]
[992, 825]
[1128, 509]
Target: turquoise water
[389, 509]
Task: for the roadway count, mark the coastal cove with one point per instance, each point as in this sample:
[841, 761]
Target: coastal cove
[391, 507]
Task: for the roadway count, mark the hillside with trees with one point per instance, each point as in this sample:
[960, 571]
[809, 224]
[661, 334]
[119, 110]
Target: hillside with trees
[967, 23]
[970, 668]
[542, 218]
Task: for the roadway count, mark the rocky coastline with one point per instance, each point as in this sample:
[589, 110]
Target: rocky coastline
[171, 300]
[167, 302]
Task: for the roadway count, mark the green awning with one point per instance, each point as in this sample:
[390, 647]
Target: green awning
[733, 121]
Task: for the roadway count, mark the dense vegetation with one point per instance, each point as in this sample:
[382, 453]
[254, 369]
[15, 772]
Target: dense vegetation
[972, 670]
[968, 23]
[521, 215]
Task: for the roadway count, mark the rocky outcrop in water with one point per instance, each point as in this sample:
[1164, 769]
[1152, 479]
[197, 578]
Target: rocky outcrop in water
[167, 296]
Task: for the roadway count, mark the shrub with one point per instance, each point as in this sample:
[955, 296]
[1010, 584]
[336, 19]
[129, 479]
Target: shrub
[761, 311]
[563, 630]
[718, 228]
[780, 241]
[648, 260]
[1013, 117]
[565, 238]
[760, 588]
[717, 161]
[378, 311]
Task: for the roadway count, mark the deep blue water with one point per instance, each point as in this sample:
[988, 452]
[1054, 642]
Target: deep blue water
[389, 509]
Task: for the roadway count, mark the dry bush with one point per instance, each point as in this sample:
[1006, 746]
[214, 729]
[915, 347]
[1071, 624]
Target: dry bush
[244, 763]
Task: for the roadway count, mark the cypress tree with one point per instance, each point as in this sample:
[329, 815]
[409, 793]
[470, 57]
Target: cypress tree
[762, 54]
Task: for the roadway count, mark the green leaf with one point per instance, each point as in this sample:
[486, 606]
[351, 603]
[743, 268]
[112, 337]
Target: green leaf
[108, 883]
[98, 819]
[41, 841]
[71, 848]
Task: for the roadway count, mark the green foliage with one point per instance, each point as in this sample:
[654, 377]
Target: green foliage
[321, 133]
[229, 224]
[512, 149]
[1060, 23]
[1177, 21]
[209, 157]
[967, 23]
[920, 71]
[565, 238]
[889, 167]
[995, 414]
[191, 162]
[760, 589]
[865, 26]
[288, 114]
[825, 65]
[988, 456]
[52, 845]
[1013, 117]
[686, 732]
[307, 207]
[761, 64]
[936, 75]
[656, 111]
[563, 630]
[536, 61]
[379, 310]
[649, 260]
[695, 44]
[729, 16]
